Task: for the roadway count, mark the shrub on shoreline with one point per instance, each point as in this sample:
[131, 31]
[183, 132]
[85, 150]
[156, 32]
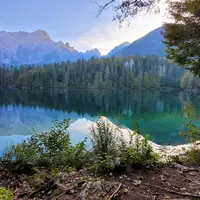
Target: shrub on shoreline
[191, 131]
[53, 150]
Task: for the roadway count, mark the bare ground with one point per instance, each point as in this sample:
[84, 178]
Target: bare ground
[169, 182]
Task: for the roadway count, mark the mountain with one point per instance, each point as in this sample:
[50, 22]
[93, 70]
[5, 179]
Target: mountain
[117, 49]
[92, 53]
[37, 47]
[150, 44]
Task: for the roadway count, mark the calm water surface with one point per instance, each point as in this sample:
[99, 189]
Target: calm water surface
[158, 114]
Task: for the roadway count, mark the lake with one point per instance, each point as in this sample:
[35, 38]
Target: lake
[158, 113]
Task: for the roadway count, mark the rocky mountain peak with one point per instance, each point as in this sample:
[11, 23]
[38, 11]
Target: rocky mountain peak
[60, 44]
[68, 47]
[37, 47]
[42, 33]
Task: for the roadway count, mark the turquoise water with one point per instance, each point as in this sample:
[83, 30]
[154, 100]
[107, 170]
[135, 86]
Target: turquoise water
[158, 114]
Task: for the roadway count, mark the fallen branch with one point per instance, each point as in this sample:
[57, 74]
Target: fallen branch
[191, 181]
[184, 168]
[63, 187]
[47, 187]
[22, 195]
[115, 192]
[190, 170]
[60, 195]
[175, 192]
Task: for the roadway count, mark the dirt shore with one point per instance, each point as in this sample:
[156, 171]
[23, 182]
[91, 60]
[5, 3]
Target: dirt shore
[169, 182]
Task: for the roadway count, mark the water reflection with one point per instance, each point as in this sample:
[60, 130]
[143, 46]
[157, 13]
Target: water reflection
[158, 114]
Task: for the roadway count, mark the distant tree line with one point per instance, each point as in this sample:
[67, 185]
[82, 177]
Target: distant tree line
[148, 72]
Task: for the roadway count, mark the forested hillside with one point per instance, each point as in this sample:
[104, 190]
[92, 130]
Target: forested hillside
[148, 72]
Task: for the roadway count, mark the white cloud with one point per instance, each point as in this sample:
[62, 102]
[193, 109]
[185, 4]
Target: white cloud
[105, 36]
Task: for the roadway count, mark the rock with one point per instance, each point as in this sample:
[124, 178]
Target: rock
[140, 177]
[193, 173]
[126, 190]
[72, 191]
[165, 151]
[102, 194]
[84, 193]
[137, 182]
[162, 177]
[108, 188]
[80, 183]
[166, 197]
[94, 190]
[72, 173]
[183, 189]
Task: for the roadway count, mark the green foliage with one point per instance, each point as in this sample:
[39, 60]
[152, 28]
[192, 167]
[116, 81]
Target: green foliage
[5, 194]
[189, 81]
[127, 9]
[139, 153]
[190, 131]
[107, 142]
[137, 128]
[146, 81]
[53, 150]
[49, 149]
[113, 151]
[182, 37]
[105, 139]
[103, 165]
[94, 73]
[192, 157]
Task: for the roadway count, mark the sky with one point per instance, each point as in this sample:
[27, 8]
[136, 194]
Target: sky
[75, 21]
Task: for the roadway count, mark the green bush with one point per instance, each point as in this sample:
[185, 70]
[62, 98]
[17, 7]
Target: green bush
[5, 194]
[103, 165]
[193, 157]
[139, 153]
[53, 150]
[107, 139]
[107, 142]
[110, 149]
[191, 132]
[49, 149]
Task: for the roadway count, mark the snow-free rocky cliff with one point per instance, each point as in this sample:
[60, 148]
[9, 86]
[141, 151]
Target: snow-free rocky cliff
[37, 47]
